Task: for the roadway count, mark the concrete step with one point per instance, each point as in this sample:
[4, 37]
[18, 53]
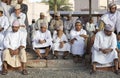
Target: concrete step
[59, 63]
[52, 63]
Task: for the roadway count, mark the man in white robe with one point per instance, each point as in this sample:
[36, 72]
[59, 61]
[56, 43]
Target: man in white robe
[60, 44]
[78, 37]
[4, 23]
[5, 7]
[14, 53]
[1, 46]
[68, 25]
[18, 15]
[42, 40]
[42, 19]
[104, 48]
[111, 17]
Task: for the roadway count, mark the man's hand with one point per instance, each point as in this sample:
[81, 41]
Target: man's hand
[42, 41]
[84, 36]
[108, 50]
[61, 44]
[72, 41]
[11, 51]
[16, 52]
[105, 51]
[21, 47]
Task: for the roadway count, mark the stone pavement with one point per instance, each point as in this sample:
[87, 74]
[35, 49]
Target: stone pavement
[80, 72]
[58, 69]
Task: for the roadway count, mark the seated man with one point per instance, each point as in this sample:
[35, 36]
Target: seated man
[18, 15]
[42, 40]
[104, 48]
[4, 22]
[14, 53]
[78, 37]
[1, 46]
[60, 43]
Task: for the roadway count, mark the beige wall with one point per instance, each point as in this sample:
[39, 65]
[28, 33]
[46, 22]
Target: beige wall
[34, 9]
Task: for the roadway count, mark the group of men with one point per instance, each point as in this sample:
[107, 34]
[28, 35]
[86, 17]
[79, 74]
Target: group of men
[13, 35]
[58, 37]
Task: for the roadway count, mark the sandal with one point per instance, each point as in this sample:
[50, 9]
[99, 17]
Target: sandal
[38, 58]
[46, 58]
[4, 72]
[116, 72]
[24, 72]
[92, 72]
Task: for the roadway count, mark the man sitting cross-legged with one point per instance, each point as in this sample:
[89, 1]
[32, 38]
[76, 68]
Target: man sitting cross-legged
[42, 40]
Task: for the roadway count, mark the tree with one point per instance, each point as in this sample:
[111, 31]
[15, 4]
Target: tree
[62, 5]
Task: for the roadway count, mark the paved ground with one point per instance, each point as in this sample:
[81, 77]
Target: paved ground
[60, 73]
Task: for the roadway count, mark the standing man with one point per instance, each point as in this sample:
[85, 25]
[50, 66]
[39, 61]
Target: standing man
[111, 17]
[14, 53]
[24, 9]
[4, 22]
[18, 15]
[104, 48]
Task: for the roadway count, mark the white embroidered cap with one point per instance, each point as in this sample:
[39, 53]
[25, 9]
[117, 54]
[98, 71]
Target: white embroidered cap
[16, 23]
[57, 14]
[42, 13]
[109, 27]
[43, 24]
[17, 6]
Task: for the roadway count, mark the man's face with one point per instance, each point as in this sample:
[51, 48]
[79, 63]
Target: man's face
[8, 2]
[17, 11]
[57, 17]
[113, 9]
[118, 36]
[4, 1]
[20, 1]
[43, 29]
[78, 26]
[15, 28]
[69, 17]
[42, 16]
[108, 33]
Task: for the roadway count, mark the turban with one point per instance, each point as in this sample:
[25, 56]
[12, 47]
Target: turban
[17, 6]
[16, 23]
[109, 27]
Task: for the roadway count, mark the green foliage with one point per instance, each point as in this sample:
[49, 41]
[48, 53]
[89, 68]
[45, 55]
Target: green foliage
[62, 5]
